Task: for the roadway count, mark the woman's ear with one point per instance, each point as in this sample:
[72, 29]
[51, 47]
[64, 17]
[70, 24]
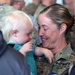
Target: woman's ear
[14, 32]
[63, 28]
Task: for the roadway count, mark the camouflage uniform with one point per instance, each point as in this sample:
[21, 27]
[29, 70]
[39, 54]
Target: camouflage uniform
[60, 65]
[5, 10]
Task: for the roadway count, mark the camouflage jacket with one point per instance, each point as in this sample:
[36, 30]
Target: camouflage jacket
[60, 65]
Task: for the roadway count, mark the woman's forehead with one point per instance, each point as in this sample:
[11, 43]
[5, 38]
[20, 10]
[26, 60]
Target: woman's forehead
[43, 18]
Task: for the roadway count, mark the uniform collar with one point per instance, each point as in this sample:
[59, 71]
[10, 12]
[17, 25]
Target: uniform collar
[64, 54]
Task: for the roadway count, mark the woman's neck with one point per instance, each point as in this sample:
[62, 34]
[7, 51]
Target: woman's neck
[59, 45]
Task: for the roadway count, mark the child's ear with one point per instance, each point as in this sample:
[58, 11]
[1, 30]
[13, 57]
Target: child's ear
[14, 32]
[63, 28]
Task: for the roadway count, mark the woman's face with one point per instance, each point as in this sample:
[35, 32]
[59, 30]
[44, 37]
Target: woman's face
[48, 31]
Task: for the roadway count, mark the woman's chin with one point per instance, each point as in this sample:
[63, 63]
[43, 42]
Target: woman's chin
[45, 45]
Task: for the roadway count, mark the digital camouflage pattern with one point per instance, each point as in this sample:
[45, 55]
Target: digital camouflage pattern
[60, 65]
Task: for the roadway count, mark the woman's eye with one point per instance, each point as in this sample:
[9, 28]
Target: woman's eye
[45, 28]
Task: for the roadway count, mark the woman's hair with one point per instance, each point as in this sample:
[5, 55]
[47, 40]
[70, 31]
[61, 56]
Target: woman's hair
[16, 20]
[59, 15]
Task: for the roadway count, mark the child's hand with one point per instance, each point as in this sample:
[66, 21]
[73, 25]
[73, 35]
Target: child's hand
[26, 48]
[49, 55]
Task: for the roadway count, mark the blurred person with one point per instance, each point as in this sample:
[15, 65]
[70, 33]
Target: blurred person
[17, 30]
[18, 4]
[70, 4]
[32, 7]
[48, 2]
[36, 2]
[54, 23]
[5, 8]
[44, 4]
[5, 2]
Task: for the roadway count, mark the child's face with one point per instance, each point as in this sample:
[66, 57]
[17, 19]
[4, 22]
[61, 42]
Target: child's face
[24, 35]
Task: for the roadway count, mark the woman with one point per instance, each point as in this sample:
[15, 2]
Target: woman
[54, 22]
